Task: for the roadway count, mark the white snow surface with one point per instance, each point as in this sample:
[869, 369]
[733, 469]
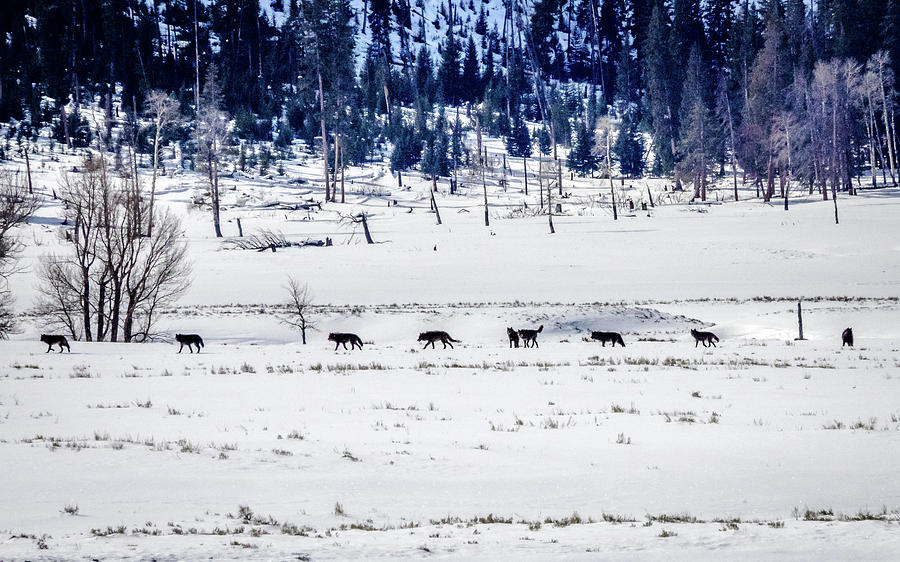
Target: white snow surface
[566, 451]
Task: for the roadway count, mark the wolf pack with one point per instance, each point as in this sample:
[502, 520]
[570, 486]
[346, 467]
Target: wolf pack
[528, 337]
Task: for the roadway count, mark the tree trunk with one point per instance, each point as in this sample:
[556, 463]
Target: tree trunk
[524, 173]
[28, 170]
[891, 146]
[550, 209]
[733, 146]
[196, 60]
[787, 188]
[612, 189]
[324, 135]
[487, 220]
[128, 323]
[800, 319]
[156, 140]
[541, 179]
[478, 133]
[101, 305]
[834, 198]
[893, 141]
[214, 177]
[86, 302]
[343, 167]
[115, 307]
[434, 205]
[65, 120]
[368, 239]
[559, 176]
[872, 138]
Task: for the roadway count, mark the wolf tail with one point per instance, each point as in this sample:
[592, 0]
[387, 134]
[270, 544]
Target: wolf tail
[450, 338]
[200, 340]
[715, 337]
[540, 328]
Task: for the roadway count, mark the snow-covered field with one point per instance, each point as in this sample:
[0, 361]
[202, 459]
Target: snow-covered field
[763, 447]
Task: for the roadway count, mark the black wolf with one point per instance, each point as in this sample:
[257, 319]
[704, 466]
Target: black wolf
[189, 339]
[343, 339]
[708, 338]
[52, 340]
[614, 337]
[431, 337]
[531, 336]
[513, 337]
[846, 337]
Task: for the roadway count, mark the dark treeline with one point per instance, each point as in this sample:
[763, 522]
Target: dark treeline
[782, 90]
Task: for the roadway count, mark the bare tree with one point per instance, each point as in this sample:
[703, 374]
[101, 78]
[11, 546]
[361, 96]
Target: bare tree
[880, 64]
[602, 145]
[212, 133]
[487, 219]
[299, 307]
[161, 273]
[163, 110]
[434, 205]
[836, 91]
[324, 133]
[869, 87]
[17, 203]
[363, 219]
[784, 141]
[114, 279]
[723, 109]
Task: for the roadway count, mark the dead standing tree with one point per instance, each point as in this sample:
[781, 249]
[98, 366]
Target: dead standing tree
[114, 279]
[299, 307]
[360, 218]
[162, 109]
[212, 133]
[17, 203]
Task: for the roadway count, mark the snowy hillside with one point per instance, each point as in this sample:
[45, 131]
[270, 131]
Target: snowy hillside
[266, 183]
[262, 448]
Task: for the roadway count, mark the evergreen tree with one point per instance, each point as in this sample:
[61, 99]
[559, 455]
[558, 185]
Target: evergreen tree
[612, 14]
[799, 46]
[629, 146]
[448, 73]
[470, 86]
[380, 24]
[424, 77]
[582, 157]
[578, 57]
[457, 149]
[380, 49]
[890, 35]
[407, 149]
[559, 118]
[543, 32]
[641, 12]
[481, 24]
[767, 87]
[687, 28]
[842, 19]
[434, 160]
[518, 143]
[717, 17]
[698, 131]
[658, 68]
[544, 141]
